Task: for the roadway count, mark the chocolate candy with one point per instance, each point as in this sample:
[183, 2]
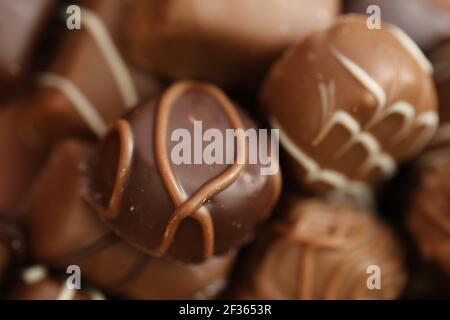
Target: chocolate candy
[20, 157]
[226, 42]
[428, 217]
[88, 84]
[64, 230]
[351, 103]
[189, 211]
[322, 251]
[37, 284]
[21, 22]
[426, 21]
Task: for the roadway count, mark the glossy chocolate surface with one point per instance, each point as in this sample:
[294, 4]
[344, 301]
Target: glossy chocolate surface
[64, 230]
[351, 105]
[189, 211]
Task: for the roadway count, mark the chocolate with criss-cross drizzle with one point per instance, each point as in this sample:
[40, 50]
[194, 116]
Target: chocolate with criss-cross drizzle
[322, 251]
[187, 211]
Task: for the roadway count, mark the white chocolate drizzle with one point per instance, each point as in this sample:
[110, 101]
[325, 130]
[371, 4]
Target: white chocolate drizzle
[80, 102]
[327, 93]
[363, 78]
[412, 48]
[359, 135]
[105, 43]
[430, 122]
[314, 172]
[375, 158]
[119, 70]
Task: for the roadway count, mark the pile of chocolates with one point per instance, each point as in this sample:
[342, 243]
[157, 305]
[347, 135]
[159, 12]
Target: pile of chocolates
[322, 168]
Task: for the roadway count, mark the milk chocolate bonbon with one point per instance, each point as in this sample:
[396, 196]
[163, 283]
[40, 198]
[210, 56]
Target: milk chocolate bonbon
[351, 104]
[322, 251]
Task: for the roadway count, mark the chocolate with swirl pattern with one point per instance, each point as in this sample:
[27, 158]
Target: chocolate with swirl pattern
[189, 211]
[322, 251]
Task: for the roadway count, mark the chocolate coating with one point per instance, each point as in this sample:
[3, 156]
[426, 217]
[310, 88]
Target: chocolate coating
[351, 103]
[20, 157]
[321, 251]
[21, 22]
[187, 211]
[88, 83]
[426, 21]
[36, 284]
[226, 42]
[64, 230]
[428, 218]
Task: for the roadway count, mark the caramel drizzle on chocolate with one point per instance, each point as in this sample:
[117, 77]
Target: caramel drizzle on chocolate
[328, 231]
[185, 206]
[193, 206]
[123, 166]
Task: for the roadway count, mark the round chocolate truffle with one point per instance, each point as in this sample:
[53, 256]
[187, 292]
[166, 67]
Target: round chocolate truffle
[64, 230]
[428, 218]
[322, 251]
[227, 42]
[426, 21]
[36, 284]
[190, 209]
[351, 103]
